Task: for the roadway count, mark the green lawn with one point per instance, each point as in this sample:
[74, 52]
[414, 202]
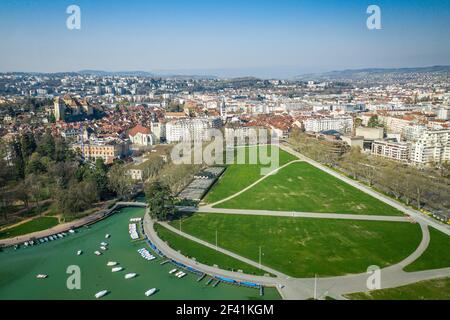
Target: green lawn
[438, 289]
[238, 176]
[34, 225]
[204, 254]
[436, 256]
[302, 247]
[302, 187]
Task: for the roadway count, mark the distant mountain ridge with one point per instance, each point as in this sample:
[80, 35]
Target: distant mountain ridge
[352, 73]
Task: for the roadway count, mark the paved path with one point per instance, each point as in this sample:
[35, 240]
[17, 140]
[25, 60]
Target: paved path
[292, 214]
[254, 183]
[213, 271]
[224, 251]
[416, 215]
[303, 288]
[69, 225]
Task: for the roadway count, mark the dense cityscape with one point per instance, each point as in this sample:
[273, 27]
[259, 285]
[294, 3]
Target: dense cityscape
[261, 152]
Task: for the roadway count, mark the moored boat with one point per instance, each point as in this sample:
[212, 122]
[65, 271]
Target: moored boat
[150, 292]
[112, 264]
[100, 294]
[130, 275]
[41, 276]
[116, 269]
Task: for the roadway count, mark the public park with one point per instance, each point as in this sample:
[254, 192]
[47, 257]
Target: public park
[295, 232]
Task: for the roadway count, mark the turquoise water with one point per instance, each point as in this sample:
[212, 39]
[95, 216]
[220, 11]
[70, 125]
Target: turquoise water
[18, 269]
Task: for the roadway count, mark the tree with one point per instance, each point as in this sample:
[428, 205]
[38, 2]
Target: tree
[46, 146]
[27, 145]
[373, 122]
[35, 164]
[78, 197]
[160, 200]
[17, 160]
[119, 181]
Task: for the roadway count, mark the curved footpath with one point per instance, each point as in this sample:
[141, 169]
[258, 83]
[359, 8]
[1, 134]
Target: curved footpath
[69, 225]
[303, 288]
[213, 271]
[254, 183]
[416, 215]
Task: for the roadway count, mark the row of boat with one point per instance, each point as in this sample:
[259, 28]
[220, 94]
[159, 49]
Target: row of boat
[103, 247]
[103, 293]
[135, 219]
[146, 254]
[132, 229]
[178, 274]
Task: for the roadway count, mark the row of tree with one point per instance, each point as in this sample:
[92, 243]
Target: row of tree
[423, 187]
[42, 168]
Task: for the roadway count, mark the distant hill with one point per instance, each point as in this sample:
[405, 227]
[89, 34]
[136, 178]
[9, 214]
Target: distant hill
[116, 73]
[360, 73]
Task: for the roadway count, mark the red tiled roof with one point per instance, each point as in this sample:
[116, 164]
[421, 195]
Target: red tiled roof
[139, 129]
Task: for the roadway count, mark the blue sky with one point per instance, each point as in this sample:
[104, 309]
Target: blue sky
[231, 38]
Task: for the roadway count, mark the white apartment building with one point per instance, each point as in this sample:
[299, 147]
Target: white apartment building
[395, 125]
[343, 124]
[443, 114]
[413, 132]
[433, 147]
[398, 151]
[191, 129]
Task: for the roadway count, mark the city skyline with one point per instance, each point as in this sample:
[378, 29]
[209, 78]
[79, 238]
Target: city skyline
[260, 39]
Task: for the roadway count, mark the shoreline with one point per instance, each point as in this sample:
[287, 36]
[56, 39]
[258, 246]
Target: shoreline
[88, 220]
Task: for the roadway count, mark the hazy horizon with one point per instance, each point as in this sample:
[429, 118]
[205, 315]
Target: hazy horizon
[265, 39]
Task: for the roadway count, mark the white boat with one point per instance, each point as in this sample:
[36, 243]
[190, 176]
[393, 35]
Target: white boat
[100, 294]
[79, 252]
[148, 293]
[107, 236]
[103, 248]
[181, 275]
[41, 276]
[116, 269]
[130, 275]
[112, 264]
[97, 253]
[178, 273]
[104, 244]
[172, 271]
[72, 231]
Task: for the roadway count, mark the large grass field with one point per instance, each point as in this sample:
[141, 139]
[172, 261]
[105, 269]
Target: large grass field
[438, 289]
[238, 176]
[436, 256]
[204, 254]
[302, 247]
[34, 225]
[302, 187]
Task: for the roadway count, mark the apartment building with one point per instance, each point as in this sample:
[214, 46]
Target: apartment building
[191, 129]
[342, 124]
[433, 147]
[398, 151]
